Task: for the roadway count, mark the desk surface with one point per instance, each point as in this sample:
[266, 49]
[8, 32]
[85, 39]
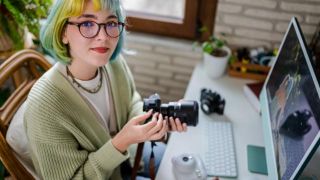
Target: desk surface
[247, 125]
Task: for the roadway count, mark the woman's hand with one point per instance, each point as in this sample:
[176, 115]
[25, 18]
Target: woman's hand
[135, 132]
[176, 125]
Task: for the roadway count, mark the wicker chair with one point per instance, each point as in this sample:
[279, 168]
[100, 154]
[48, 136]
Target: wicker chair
[23, 69]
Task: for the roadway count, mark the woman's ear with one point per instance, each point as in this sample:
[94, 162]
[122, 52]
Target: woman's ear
[65, 39]
[64, 36]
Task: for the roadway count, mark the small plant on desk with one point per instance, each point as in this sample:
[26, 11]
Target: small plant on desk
[216, 54]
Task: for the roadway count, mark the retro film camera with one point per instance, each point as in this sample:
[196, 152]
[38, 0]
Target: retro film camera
[187, 111]
[188, 167]
[211, 102]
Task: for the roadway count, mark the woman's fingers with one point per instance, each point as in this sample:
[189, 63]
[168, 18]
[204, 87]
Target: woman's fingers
[172, 124]
[160, 133]
[141, 118]
[151, 124]
[178, 125]
[159, 130]
[185, 127]
[158, 127]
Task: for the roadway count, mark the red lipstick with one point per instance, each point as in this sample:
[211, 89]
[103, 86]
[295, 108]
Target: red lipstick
[101, 50]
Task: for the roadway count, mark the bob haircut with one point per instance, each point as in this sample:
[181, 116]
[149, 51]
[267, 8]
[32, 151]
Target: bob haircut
[52, 31]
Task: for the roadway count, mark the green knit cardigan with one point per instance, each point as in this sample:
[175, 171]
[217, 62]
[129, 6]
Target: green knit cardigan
[65, 136]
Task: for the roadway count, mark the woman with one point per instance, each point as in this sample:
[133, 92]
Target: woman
[84, 113]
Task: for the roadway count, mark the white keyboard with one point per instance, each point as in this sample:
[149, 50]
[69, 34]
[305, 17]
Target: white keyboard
[219, 158]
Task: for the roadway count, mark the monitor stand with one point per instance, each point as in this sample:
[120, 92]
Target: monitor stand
[257, 159]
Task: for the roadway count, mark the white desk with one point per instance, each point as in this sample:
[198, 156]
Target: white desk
[246, 122]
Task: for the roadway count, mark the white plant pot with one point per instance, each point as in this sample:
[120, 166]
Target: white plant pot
[215, 67]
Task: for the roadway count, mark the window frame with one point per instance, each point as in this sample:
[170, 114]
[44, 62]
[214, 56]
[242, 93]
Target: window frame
[198, 13]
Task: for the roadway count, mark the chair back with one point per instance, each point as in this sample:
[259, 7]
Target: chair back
[17, 75]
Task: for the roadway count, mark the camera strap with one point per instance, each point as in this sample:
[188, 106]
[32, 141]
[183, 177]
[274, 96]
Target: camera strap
[137, 160]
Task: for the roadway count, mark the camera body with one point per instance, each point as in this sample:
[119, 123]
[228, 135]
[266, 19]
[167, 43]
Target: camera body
[188, 167]
[211, 102]
[187, 111]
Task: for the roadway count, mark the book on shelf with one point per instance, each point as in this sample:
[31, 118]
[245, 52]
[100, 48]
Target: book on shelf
[252, 92]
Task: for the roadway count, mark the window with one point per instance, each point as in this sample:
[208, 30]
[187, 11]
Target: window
[177, 18]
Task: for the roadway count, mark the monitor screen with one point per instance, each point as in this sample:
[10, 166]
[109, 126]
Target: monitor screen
[290, 104]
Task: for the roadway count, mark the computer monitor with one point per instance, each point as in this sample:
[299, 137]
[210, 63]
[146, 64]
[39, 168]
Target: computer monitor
[290, 102]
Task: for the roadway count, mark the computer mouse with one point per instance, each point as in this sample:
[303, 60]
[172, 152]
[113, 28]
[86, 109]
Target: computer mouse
[296, 124]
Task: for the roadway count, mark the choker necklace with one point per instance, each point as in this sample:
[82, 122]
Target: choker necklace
[92, 91]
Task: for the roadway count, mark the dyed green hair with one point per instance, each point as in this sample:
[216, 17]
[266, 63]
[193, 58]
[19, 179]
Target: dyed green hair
[51, 33]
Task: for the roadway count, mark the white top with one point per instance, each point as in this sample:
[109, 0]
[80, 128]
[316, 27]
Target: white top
[99, 100]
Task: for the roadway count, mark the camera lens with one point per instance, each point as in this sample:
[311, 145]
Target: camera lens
[186, 111]
[205, 107]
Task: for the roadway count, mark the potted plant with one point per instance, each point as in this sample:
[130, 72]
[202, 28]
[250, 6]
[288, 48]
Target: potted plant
[216, 54]
[18, 18]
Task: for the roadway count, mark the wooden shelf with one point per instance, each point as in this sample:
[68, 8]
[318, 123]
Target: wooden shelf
[248, 71]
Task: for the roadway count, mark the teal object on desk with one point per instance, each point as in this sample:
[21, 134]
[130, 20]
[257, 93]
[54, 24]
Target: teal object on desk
[257, 159]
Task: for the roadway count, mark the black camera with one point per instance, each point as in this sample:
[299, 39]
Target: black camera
[211, 102]
[187, 111]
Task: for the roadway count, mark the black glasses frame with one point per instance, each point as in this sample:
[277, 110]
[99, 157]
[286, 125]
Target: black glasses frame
[99, 27]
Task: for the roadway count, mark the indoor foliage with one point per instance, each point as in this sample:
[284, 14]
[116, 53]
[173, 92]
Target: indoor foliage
[17, 14]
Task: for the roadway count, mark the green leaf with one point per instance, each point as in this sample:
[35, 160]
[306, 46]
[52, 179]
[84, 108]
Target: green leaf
[207, 47]
[219, 43]
[15, 13]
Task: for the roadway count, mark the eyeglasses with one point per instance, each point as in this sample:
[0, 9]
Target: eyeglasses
[90, 29]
